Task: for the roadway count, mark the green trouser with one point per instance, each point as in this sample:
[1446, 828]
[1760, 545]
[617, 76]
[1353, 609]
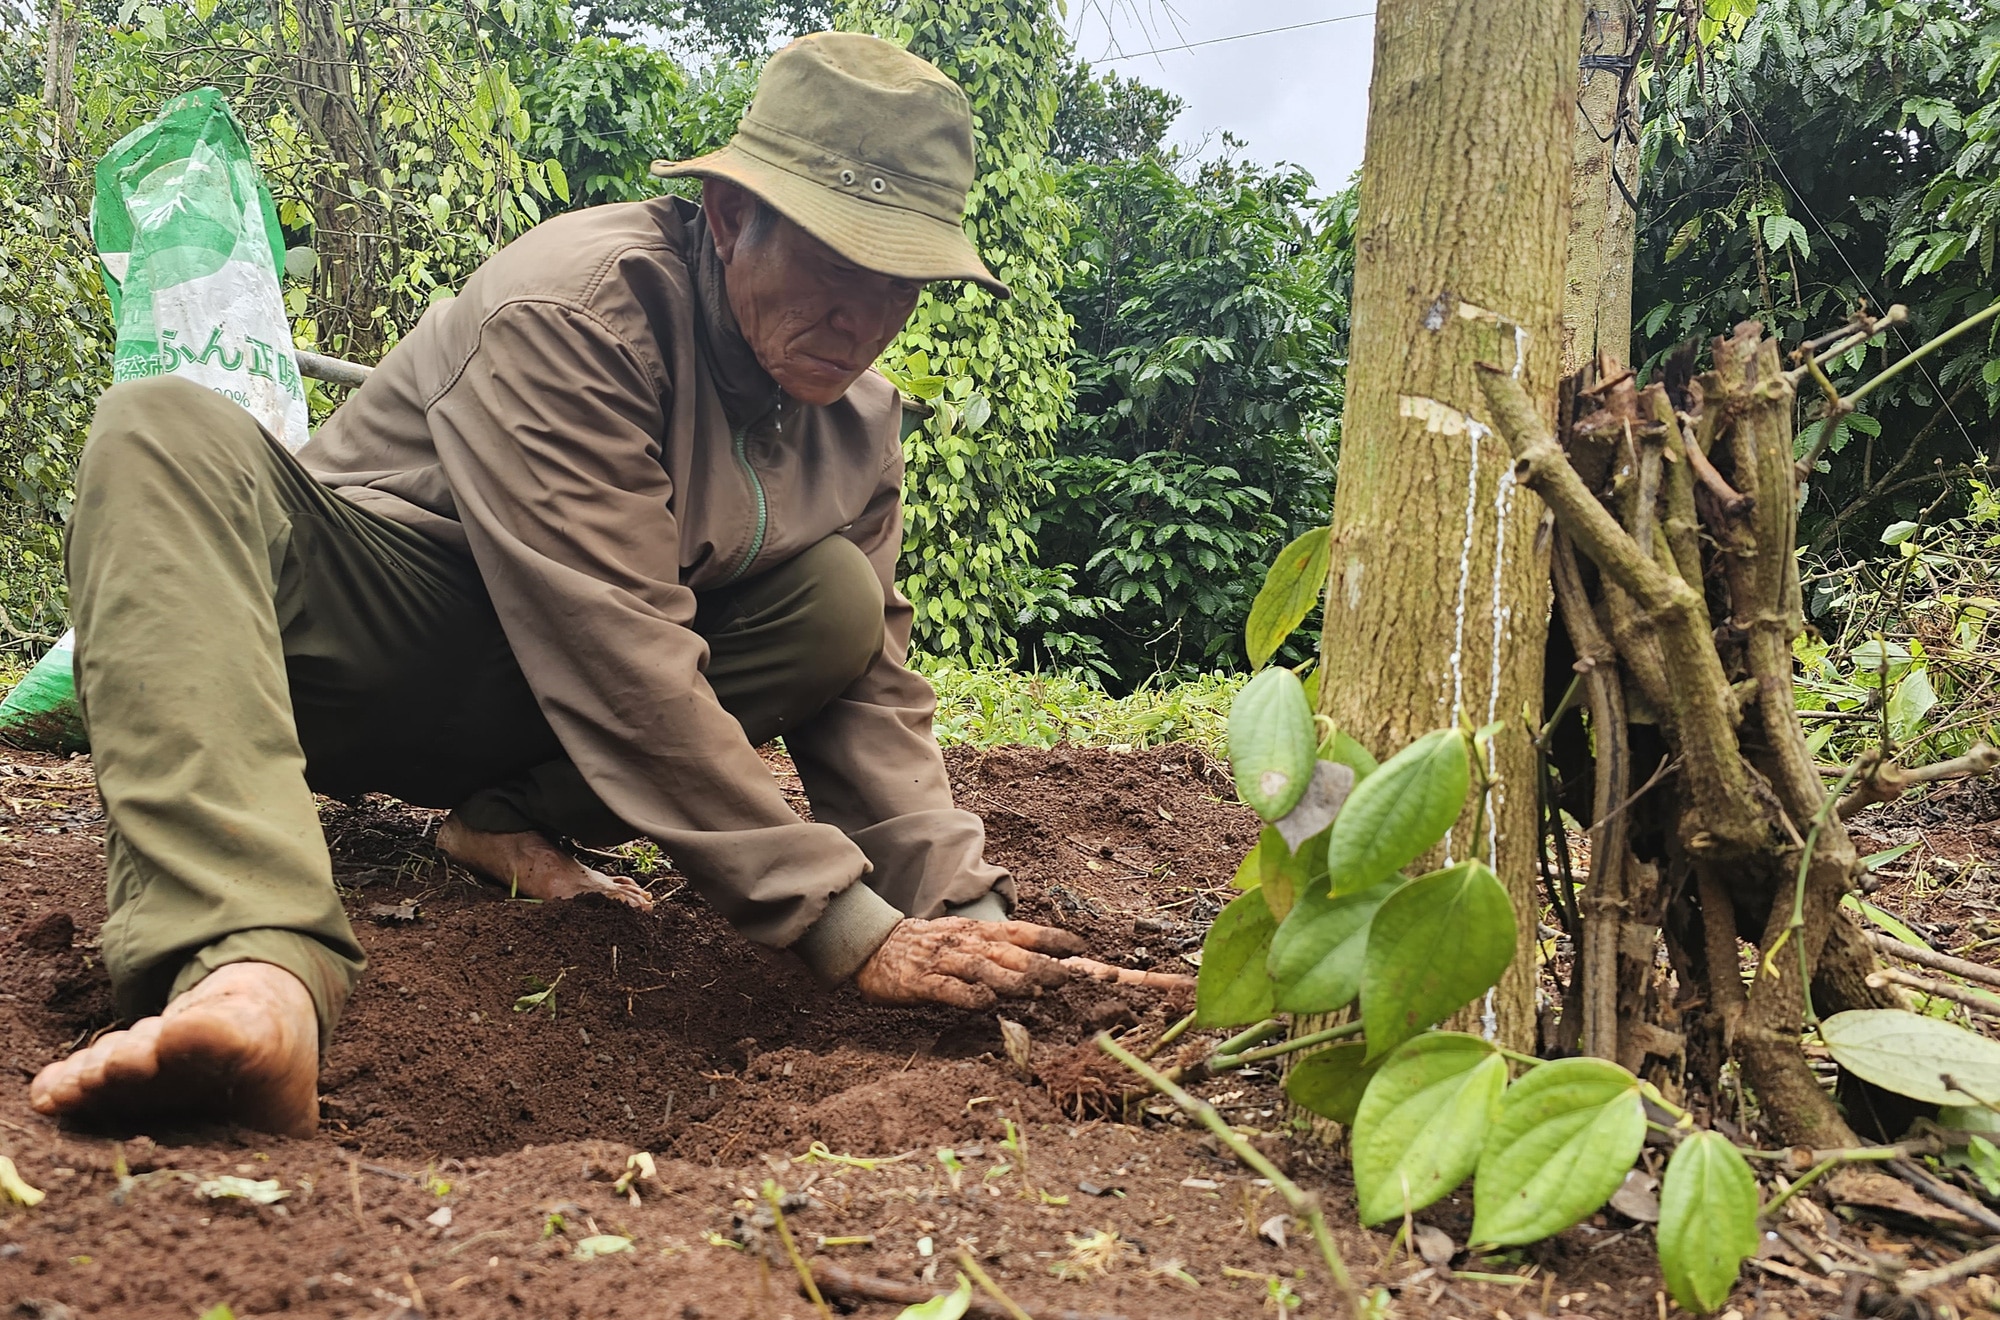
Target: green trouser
[246, 637]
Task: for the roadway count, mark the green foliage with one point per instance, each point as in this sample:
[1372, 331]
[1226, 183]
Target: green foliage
[1000, 367]
[1232, 988]
[1913, 1054]
[1210, 309]
[1422, 1122]
[1272, 743]
[1708, 1221]
[55, 358]
[1331, 1081]
[1103, 118]
[992, 707]
[1291, 589]
[1318, 953]
[1435, 944]
[1565, 1136]
[1399, 812]
[1819, 153]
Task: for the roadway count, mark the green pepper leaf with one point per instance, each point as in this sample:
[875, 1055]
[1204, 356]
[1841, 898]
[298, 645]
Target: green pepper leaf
[1293, 586]
[1708, 1221]
[1423, 1122]
[1912, 1054]
[1233, 989]
[1565, 1138]
[1330, 1081]
[1396, 814]
[1435, 943]
[1272, 742]
[1317, 954]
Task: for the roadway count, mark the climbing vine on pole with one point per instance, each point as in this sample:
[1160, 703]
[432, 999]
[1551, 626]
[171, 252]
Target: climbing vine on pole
[995, 372]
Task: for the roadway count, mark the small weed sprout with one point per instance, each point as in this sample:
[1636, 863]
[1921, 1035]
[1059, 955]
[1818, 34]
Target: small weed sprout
[541, 994]
[1099, 1254]
[645, 856]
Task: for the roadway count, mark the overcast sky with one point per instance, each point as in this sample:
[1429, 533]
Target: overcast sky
[1298, 95]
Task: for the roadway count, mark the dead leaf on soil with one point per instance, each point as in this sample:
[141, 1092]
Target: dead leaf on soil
[395, 913]
[1018, 1044]
[1868, 1189]
[1435, 1246]
[1273, 1230]
[262, 1191]
[1638, 1197]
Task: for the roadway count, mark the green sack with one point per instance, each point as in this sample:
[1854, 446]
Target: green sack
[41, 713]
[193, 261]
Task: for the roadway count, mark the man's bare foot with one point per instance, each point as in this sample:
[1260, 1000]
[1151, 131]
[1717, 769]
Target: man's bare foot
[241, 1047]
[532, 867]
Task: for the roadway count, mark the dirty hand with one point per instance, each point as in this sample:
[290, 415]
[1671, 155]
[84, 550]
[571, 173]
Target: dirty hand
[965, 963]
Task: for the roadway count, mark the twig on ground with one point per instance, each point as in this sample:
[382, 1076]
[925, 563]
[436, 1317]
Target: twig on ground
[1965, 1267]
[1931, 958]
[1305, 1205]
[1923, 985]
[1945, 1194]
[775, 1198]
[1103, 971]
[869, 1288]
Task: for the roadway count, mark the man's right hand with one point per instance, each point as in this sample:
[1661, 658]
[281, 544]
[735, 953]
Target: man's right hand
[965, 963]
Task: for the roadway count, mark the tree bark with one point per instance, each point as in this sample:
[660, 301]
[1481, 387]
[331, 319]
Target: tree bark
[59, 83]
[1437, 604]
[347, 221]
[1604, 166]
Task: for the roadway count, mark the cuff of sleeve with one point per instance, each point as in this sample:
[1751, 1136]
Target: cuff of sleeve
[853, 925]
[989, 906]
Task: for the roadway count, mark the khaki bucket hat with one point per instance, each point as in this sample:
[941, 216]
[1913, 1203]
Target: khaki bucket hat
[865, 147]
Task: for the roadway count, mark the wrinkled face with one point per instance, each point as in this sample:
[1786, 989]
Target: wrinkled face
[815, 320]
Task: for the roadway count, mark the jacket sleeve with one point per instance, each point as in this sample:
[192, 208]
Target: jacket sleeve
[548, 436]
[870, 761]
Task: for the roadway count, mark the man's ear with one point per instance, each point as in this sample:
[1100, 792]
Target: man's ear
[728, 209]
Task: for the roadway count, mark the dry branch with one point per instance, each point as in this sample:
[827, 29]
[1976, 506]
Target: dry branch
[1885, 781]
[1937, 962]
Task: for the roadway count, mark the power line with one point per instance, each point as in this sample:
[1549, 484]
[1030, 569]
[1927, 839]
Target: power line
[1240, 36]
[1838, 251]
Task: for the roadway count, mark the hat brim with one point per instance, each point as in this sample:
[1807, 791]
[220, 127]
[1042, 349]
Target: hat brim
[876, 236]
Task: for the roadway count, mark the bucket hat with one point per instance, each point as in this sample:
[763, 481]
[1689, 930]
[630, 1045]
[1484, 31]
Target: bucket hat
[864, 146]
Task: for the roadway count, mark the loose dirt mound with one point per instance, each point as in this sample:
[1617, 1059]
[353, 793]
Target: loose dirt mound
[470, 1144]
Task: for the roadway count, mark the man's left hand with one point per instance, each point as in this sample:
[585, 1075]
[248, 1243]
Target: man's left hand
[965, 963]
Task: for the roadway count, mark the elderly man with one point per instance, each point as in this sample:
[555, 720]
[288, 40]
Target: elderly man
[625, 508]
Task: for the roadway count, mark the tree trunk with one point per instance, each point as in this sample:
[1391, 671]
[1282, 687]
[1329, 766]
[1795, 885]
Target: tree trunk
[59, 84]
[347, 219]
[1438, 599]
[1604, 165]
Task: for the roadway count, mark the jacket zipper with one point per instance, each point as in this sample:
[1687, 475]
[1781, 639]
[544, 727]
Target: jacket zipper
[763, 508]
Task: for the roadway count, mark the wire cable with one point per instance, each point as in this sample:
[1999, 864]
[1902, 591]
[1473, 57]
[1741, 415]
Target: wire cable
[1838, 251]
[1238, 36]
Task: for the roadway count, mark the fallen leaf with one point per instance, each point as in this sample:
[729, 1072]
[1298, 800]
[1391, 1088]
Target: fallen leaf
[604, 1244]
[1435, 1246]
[1273, 1229]
[263, 1191]
[440, 1217]
[16, 1187]
[394, 913]
[1638, 1197]
[1868, 1189]
[1015, 1038]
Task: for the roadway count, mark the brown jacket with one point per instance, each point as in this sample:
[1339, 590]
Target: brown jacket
[585, 420]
